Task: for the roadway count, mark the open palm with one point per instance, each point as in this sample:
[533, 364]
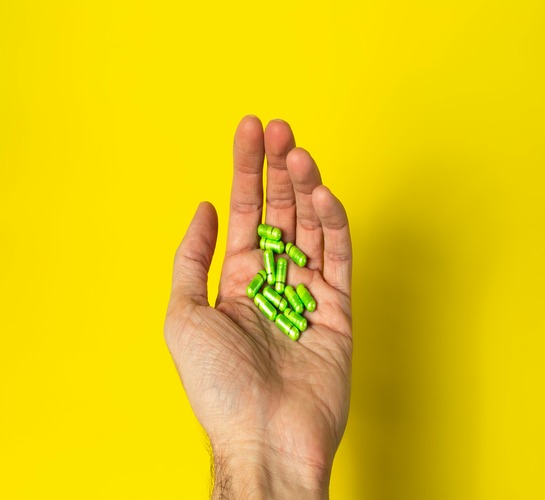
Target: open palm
[251, 387]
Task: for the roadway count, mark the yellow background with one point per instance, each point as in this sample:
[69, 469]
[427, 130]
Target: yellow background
[426, 118]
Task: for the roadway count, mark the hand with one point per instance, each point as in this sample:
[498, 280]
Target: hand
[274, 410]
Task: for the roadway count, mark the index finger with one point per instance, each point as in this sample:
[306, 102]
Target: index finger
[246, 205]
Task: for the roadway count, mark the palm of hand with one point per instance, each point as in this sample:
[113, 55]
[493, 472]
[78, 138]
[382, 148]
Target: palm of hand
[245, 380]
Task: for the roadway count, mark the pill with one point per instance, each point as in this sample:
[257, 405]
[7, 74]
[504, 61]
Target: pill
[256, 283]
[296, 255]
[286, 327]
[306, 298]
[295, 302]
[281, 271]
[268, 260]
[266, 231]
[274, 245]
[275, 299]
[296, 319]
[265, 306]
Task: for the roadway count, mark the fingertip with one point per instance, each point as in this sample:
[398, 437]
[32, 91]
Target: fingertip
[328, 207]
[297, 154]
[208, 214]
[250, 120]
[208, 206]
[278, 122]
[299, 158]
[279, 136]
[303, 170]
[249, 135]
[321, 197]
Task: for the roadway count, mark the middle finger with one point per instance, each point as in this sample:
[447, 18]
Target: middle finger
[280, 199]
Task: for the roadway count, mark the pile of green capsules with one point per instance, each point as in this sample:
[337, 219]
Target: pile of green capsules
[282, 304]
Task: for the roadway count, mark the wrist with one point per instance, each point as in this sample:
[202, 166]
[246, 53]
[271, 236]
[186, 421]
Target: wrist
[257, 470]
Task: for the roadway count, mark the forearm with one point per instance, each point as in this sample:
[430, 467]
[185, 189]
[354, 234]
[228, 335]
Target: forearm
[255, 473]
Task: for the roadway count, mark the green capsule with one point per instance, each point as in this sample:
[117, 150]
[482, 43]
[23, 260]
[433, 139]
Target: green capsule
[296, 255]
[281, 271]
[274, 298]
[296, 319]
[268, 260]
[265, 306]
[286, 327]
[295, 302]
[256, 283]
[275, 246]
[306, 298]
[266, 231]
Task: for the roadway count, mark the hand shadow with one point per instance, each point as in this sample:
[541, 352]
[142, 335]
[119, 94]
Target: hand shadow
[418, 271]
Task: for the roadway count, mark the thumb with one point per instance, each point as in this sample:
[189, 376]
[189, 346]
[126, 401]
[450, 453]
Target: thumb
[194, 255]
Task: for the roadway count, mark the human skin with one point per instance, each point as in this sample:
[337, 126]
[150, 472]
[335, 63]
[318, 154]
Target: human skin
[275, 410]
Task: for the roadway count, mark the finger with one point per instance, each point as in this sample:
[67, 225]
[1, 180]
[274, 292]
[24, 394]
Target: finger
[305, 177]
[337, 244]
[247, 190]
[194, 255]
[279, 141]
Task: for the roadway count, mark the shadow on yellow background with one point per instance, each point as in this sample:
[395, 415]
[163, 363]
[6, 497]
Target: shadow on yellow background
[426, 119]
[418, 288]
